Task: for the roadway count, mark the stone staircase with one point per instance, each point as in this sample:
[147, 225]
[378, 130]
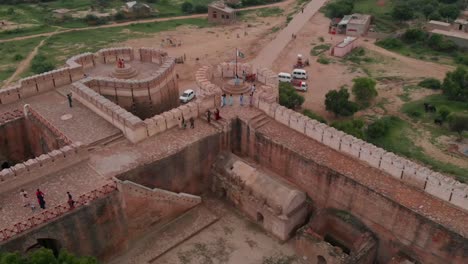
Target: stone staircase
[106, 141]
[149, 248]
[258, 121]
[124, 73]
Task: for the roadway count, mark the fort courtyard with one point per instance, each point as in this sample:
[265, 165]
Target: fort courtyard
[156, 180]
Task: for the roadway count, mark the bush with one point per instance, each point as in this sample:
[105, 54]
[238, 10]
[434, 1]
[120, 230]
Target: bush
[430, 83]
[462, 59]
[186, 7]
[288, 96]
[455, 85]
[458, 123]
[444, 112]
[338, 103]
[41, 64]
[92, 20]
[440, 43]
[414, 35]
[314, 116]
[201, 9]
[379, 128]
[390, 43]
[364, 90]
[449, 11]
[119, 16]
[354, 127]
[323, 60]
[339, 8]
[18, 57]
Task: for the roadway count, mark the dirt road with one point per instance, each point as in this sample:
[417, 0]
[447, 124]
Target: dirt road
[280, 4]
[270, 52]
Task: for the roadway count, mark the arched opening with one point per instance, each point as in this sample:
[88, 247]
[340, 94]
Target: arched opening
[321, 260]
[49, 243]
[5, 165]
[222, 193]
[260, 218]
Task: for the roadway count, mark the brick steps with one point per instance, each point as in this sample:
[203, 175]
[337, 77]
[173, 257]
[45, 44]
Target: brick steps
[105, 141]
[259, 120]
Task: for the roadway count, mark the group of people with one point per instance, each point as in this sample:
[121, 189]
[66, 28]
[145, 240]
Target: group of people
[216, 113]
[41, 200]
[229, 101]
[120, 63]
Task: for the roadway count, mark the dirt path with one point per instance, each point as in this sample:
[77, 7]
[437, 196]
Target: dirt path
[25, 63]
[271, 51]
[48, 34]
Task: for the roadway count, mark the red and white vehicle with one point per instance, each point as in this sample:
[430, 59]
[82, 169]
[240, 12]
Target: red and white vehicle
[299, 85]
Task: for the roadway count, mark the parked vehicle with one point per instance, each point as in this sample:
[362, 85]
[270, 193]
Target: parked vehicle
[299, 85]
[284, 77]
[187, 96]
[299, 74]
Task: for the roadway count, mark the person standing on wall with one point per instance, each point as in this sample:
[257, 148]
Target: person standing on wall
[192, 122]
[71, 202]
[70, 99]
[241, 99]
[40, 198]
[24, 198]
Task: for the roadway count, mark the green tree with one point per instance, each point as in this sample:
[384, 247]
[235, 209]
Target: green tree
[444, 112]
[414, 34]
[455, 84]
[458, 123]
[379, 128]
[339, 8]
[431, 83]
[440, 43]
[354, 127]
[288, 96]
[449, 11]
[186, 7]
[402, 12]
[337, 101]
[364, 90]
[428, 9]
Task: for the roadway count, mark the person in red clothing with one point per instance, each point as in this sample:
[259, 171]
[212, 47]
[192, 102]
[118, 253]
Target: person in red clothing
[40, 198]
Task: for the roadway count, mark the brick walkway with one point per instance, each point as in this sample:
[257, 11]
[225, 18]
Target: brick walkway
[78, 179]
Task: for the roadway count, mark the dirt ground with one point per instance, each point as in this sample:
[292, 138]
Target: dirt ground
[231, 240]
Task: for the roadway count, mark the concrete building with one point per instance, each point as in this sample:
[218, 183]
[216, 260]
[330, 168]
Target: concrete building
[275, 204]
[219, 12]
[434, 24]
[460, 38]
[137, 9]
[461, 25]
[354, 25]
[346, 46]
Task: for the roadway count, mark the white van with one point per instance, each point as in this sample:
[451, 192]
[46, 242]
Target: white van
[299, 74]
[284, 77]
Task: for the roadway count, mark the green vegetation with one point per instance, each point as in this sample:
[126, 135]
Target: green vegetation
[337, 101]
[430, 83]
[415, 109]
[357, 56]
[354, 127]
[364, 90]
[339, 8]
[288, 96]
[319, 49]
[323, 60]
[455, 85]
[314, 116]
[45, 256]
[41, 64]
[269, 11]
[12, 53]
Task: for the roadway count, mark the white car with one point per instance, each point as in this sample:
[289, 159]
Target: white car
[187, 96]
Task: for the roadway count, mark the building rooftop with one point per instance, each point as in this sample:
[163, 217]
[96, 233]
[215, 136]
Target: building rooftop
[346, 42]
[456, 34]
[359, 19]
[440, 23]
[222, 7]
[461, 21]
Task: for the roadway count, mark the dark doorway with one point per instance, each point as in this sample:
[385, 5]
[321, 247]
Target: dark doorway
[335, 242]
[321, 260]
[260, 218]
[48, 243]
[222, 193]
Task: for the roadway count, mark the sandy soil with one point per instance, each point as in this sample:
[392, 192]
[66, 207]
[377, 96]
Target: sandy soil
[232, 240]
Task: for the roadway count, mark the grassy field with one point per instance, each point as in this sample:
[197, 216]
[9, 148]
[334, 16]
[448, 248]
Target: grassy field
[12, 53]
[62, 46]
[400, 141]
